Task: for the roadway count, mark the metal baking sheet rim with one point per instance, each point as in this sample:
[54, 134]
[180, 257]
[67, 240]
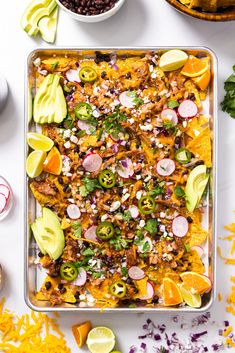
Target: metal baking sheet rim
[70, 308]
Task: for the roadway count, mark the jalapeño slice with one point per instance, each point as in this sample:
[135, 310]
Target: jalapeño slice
[107, 179]
[147, 204]
[68, 271]
[183, 156]
[83, 111]
[87, 74]
[105, 230]
[118, 289]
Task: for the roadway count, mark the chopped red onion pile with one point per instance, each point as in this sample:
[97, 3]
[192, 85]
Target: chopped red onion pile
[191, 343]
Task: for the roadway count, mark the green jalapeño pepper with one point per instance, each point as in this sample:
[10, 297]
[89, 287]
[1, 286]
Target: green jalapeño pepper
[107, 179]
[118, 289]
[68, 271]
[87, 74]
[147, 204]
[183, 156]
[83, 111]
[105, 230]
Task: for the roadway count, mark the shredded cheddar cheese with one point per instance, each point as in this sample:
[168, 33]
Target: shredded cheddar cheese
[35, 333]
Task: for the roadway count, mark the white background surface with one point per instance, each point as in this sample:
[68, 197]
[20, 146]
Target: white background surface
[140, 22]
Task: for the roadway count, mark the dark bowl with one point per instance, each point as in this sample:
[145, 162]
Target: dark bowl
[227, 14]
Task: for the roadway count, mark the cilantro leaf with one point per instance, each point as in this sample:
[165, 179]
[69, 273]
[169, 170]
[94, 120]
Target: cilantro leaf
[124, 271]
[54, 65]
[89, 185]
[158, 190]
[179, 192]
[146, 247]
[172, 104]
[151, 226]
[68, 122]
[187, 247]
[77, 229]
[228, 104]
[135, 99]
[88, 252]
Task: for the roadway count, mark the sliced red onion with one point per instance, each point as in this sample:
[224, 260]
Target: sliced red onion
[126, 169]
[82, 125]
[90, 234]
[92, 162]
[165, 167]
[136, 273]
[198, 249]
[180, 226]
[73, 212]
[126, 100]
[169, 115]
[115, 148]
[187, 109]
[150, 292]
[73, 75]
[81, 278]
[3, 202]
[134, 211]
[5, 191]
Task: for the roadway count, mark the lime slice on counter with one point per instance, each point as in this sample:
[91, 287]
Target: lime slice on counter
[34, 163]
[101, 340]
[173, 60]
[39, 142]
[193, 300]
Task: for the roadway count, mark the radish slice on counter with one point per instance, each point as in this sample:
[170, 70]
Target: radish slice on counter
[136, 273]
[134, 211]
[73, 75]
[125, 169]
[92, 162]
[126, 100]
[165, 167]
[180, 226]
[5, 191]
[82, 125]
[3, 202]
[169, 115]
[73, 212]
[198, 249]
[150, 292]
[187, 109]
[81, 278]
[90, 234]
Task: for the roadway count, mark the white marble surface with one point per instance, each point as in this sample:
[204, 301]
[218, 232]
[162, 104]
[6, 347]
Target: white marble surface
[139, 23]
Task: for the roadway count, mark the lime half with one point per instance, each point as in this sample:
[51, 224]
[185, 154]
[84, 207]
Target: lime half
[34, 163]
[173, 60]
[39, 142]
[101, 340]
[193, 300]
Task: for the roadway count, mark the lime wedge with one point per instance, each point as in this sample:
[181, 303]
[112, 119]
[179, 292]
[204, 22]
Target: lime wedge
[34, 163]
[193, 300]
[39, 142]
[173, 60]
[100, 340]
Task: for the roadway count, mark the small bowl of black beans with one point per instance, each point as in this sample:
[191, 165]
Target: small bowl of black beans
[90, 10]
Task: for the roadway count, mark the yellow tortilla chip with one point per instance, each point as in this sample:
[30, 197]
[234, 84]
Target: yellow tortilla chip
[67, 297]
[201, 146]
[142, 288]
[197, 234]
[191, 88]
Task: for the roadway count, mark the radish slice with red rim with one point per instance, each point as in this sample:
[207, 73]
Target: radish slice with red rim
[136, 273]
[187, 109]
[180, 226]
[73, 75]
[5, 191]
[92, 162]
[198, 249]
[90, 234]
[150, 292]
[134, 211]
[73, 212]
[81, 278]
[3, 202]
[169, 115]
[125, 168]
[165, 167]
[82, 125]
[126, 99]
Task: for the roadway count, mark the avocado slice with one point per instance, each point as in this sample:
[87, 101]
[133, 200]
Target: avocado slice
[48, 25]
[196, 184]
[38, 229]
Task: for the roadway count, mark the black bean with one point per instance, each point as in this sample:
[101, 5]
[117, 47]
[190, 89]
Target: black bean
[189, 219]
[48, 285]
[40, 254]
[77, 295]
[63, 290]
[76, 149]
[60, 286]
[128, 75]
[60, 180]
[103, 74]
[66, 188]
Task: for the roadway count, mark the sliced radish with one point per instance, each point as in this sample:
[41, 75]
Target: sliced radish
[170, 116]
[3, 202]
[125, 168]
[180, 226]
[142, 245]
[90, 234]
[198, 249]
[92, 162]
[134, 211]
[73, 212]
[73, 75]
[81, 278]
[136, 273]
[82, 125]
[150, 292]
[5, 191]
[165, 167]
[126, 99]
[187, 109]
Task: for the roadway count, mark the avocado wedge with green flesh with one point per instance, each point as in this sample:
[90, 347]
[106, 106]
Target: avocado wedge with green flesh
[38, 229]
[49, 102]
[196, 184]
[48, 25]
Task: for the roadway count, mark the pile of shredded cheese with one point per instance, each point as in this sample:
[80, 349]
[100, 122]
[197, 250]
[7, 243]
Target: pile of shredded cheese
[35, 333]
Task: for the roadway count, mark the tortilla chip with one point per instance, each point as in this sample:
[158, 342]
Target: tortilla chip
[142, 288]
[67, 297]
[191, 88]
[197, 234]
[201, 146]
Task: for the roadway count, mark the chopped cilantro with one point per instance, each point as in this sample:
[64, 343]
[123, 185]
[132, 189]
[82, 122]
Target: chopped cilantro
[112, 123]
[136, 100]
[89, 185]
[68, 122]
[151, 226]
[228, 104]
[96, 275]
[127, 216]
[124, 271]
[168, 125]
[88, 252]
[172, 104]
[179, 192]
[187, 247]
[77, 229]
[54, 65]
[158, 190]
[119, 243]
[81, 133]
[146, 247]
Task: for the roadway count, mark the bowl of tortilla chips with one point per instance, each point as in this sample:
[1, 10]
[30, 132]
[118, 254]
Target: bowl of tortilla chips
[209, 10]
